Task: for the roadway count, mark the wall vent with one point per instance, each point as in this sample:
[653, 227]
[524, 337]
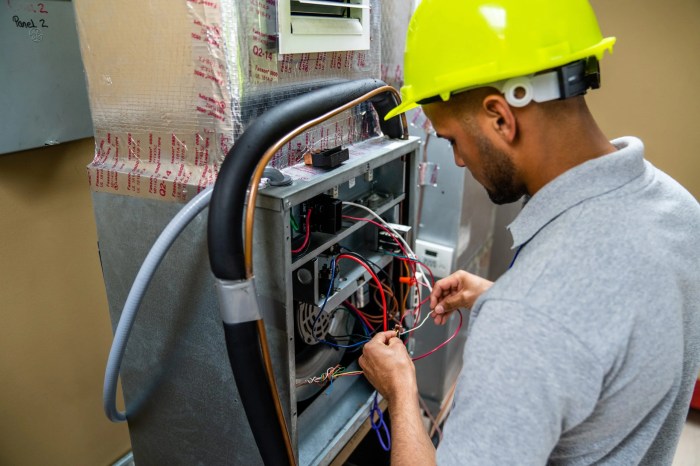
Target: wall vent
[307, 26]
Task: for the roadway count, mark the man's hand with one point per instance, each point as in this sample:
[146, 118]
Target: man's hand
[388, 366]
[461, 289]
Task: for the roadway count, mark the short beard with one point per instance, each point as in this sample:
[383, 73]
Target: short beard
[499, 171]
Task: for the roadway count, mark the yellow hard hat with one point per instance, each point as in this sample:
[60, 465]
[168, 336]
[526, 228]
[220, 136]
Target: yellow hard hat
[454, 45]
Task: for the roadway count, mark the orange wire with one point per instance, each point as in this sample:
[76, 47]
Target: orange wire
[408, 289]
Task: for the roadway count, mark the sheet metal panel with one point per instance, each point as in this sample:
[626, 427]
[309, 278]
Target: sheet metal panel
[43, 95]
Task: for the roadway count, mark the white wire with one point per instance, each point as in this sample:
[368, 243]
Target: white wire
[411, 254]
[138, 290]
[405, 332]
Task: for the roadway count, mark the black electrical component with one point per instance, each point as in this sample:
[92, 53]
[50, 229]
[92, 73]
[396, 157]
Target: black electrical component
[327, 216]
[330, 158]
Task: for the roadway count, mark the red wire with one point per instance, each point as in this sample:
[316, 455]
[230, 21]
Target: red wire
[379, 225]
[444, 342]
[360, 314]
[308, 233]
[374, 276]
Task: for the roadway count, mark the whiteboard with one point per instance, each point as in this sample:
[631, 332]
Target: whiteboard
[43, 95]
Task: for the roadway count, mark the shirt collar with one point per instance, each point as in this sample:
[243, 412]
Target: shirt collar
[590, 179]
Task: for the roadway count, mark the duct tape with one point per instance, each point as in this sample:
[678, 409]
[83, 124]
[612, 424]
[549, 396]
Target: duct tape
[238, 301]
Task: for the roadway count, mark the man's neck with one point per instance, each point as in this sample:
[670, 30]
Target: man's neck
[560, 144]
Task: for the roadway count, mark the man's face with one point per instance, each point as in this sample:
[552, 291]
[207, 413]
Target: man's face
[491, 167]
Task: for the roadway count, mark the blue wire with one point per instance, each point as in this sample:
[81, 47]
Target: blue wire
[380, 424]
[376, 426]
[325, 301]
[334, 345]
[328, 292]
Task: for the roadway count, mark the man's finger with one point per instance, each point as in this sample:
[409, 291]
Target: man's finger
[436, 294]
[383, 337]
[443, 288]
[394, 340]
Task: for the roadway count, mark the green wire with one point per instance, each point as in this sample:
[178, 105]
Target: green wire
[293, 221]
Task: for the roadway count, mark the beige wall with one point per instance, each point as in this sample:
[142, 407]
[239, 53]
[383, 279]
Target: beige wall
[55, 331]
[650, 83]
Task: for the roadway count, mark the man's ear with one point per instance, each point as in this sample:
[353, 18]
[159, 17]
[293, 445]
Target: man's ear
[501, 119]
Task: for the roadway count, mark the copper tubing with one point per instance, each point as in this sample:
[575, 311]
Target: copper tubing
[250, 219]
[267, 156]
[275, 394]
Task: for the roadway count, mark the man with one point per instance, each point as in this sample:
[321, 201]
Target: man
[586, 350]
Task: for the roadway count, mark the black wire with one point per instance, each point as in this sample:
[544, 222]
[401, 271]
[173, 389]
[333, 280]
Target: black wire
[367, 262]
[349, 336]
[347, 329]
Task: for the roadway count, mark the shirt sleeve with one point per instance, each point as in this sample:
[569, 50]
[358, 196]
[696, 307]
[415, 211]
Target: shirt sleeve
[526, 380]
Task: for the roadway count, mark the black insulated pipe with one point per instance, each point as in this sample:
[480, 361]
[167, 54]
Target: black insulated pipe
[226, 241]
[243, 348]
[225, 232]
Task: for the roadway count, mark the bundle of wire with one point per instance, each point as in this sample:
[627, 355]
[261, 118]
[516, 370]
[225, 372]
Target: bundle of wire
[371, 323]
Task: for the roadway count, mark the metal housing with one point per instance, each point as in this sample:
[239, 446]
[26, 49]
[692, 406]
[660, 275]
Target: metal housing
[182, 403]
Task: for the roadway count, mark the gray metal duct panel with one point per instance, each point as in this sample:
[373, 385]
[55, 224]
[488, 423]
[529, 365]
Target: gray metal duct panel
[438, 373]
[442, 217]
[456, 213]
[183, 406]
[477, 224]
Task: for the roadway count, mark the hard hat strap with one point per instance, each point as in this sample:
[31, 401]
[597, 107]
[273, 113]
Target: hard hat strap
[570, 80]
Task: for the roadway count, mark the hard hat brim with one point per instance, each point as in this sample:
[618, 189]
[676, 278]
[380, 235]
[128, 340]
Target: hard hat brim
[403, 107]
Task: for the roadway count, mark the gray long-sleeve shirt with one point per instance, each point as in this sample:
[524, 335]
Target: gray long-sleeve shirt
[587, 349]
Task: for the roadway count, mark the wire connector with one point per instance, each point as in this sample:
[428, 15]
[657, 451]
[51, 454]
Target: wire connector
[407, 280]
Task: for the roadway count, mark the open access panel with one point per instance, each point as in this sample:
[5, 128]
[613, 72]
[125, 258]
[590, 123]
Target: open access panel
[181, 399]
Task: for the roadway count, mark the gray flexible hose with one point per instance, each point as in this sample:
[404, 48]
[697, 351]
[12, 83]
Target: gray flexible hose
[138, 290]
